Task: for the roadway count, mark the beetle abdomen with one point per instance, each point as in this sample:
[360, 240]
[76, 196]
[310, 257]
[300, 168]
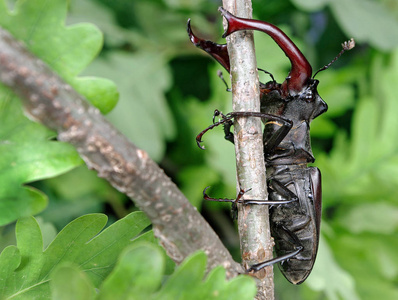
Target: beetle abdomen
[298, 268]
[294, 225]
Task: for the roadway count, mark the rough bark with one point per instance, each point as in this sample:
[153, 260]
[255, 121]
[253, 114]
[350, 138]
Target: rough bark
[253, 221]
[49, 100]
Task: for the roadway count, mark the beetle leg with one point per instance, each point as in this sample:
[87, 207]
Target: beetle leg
[228, 135]
[225, 119]
[219, 74]
[283, 191]
[274, 140]
[245, 201]
[289, 237]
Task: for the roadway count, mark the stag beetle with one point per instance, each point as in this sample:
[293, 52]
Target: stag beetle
[287, 110]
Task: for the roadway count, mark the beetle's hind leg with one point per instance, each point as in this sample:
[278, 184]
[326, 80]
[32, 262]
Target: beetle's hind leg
[290, 238]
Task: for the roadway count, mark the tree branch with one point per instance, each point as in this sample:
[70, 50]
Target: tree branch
[49, 100]
[253, 221]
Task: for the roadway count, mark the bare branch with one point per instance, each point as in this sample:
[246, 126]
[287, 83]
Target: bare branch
[51, 101]
[253, 220]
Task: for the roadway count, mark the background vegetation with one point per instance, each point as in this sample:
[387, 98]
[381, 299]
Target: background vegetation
[168, 92]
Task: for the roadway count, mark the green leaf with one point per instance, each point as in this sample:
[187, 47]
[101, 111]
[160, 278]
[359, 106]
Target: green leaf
[372, 260]
[67, 50]
[365, 20]
[137, 274]
[310, 5]
[27, 153]
[354, 15]
[88, 195]
[329, 277]
[10, 259]
[355, 167]
[192, 180]
[186, 283]
[101, 92]
[379, 217]
[241, 287]
[26, 268]
[336, 89]
[69, 283]
[148, 237]
[185, 279]
[95, 13]
[143, 79]
[359, 182]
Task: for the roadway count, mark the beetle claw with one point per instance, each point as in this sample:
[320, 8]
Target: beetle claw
[199, 145]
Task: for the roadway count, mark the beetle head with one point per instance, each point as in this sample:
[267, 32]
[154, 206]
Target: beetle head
[303, 106]
[312, 104]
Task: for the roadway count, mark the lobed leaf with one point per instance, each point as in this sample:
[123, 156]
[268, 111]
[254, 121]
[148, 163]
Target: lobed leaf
[67, 50]
[69, 283]
[139, 274]
[186, 283]
[26, 269]
[28, 154]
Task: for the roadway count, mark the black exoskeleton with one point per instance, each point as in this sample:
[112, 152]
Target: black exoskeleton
[287, 110]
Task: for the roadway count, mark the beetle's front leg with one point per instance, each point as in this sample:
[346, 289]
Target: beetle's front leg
[229, 136]
[284, 127]
[226, 119]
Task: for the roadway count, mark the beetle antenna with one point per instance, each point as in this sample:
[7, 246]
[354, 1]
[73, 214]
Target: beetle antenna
[219, 73]
[347, 45]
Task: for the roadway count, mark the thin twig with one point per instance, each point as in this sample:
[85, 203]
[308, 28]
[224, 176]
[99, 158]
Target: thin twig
[51, 101]
[253, 220]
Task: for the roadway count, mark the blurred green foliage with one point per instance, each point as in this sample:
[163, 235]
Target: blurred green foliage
[81, 258]
[168, 92]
